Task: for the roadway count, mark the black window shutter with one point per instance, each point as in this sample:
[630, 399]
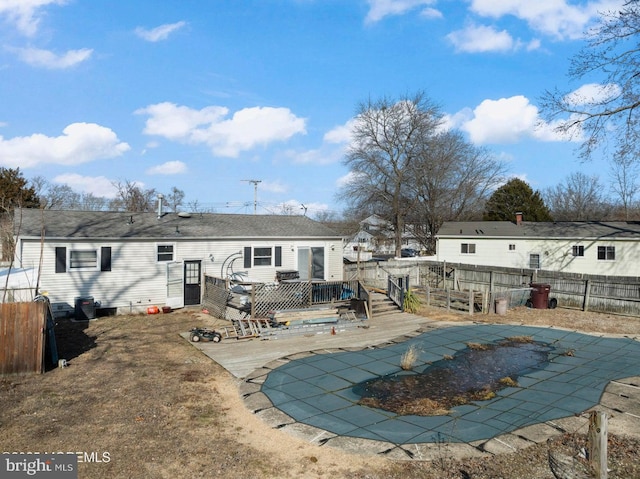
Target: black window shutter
[278, 256]
[247, 256]
[105, 258]
[61, 260]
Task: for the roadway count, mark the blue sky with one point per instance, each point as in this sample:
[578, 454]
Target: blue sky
[203, 95]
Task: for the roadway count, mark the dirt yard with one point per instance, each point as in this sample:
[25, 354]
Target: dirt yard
[138, 401]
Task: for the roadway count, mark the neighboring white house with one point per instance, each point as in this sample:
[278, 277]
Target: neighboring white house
[376, 235]
[129, 261]
[589, 247]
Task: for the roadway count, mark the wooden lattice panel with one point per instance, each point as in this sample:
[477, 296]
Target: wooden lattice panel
[270, 297]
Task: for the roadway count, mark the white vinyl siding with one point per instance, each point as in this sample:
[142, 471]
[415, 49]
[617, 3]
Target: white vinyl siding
[555, 254]
[137, 279]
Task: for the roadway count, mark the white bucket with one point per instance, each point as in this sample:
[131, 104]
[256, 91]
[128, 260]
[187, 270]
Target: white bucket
[501, 306]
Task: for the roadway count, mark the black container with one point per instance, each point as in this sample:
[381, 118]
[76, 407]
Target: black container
[85, 308]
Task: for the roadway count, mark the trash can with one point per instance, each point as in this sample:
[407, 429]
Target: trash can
[85, 308]
[501, 306]
[540, 295]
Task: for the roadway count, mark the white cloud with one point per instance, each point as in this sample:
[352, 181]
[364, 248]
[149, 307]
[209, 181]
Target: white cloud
[340, 134]
[378, 9]
[295, 207]
[168, 168]
[480, 38]
[245, 130]
[346, 180]
[325, 155]
[47, 59]
[159, 33]
[593, 93]
[79, 143]
[24, 14]
[431, 13]
[552, 17]
[96, 185]
[273, 186]
[506, 120]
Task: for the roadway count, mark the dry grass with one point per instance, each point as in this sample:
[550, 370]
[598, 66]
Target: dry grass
[520, 339]
[410, 357]
[480, 346]
[508, 382]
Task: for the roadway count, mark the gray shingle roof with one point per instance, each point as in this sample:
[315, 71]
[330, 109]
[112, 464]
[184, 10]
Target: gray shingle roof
[559, 229]
[110, 224]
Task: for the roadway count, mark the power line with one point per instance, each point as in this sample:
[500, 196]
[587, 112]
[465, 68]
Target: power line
[255, 193]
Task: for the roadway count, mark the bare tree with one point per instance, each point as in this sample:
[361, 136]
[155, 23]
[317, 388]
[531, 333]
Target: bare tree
[578, 198]
[62, 197]
[452, 181]
[89, 202]
[174, 199]
[388, 139]
[607, 110]
[624, 180]
[131, 197]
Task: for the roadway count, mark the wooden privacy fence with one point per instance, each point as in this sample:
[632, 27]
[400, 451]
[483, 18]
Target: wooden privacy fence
[22, 337]
[599, 293]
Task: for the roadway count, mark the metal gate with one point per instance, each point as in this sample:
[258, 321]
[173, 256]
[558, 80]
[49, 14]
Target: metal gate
[192, 282]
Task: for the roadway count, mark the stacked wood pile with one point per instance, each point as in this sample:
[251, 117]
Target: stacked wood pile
[309, 315]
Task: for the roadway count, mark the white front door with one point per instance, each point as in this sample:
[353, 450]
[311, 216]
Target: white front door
[175, 289]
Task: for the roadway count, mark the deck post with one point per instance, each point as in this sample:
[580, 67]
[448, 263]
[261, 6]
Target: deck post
[587, 295]
[598, 443]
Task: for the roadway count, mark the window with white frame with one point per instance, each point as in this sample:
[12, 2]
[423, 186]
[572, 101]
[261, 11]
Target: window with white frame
[468, 248]
[577, 250]
[512, 247]
[534, 261]
[67, 259]
[262, 256]
[83, 259]
[164, 252]
[606, 253]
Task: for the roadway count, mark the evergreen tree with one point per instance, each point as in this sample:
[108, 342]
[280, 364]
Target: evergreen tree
[516, 196]
[14, 191]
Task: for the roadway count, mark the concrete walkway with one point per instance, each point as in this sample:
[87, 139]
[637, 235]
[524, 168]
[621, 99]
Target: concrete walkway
[304, 386]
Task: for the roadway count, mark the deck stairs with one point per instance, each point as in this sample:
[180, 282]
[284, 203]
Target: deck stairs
[382, 306]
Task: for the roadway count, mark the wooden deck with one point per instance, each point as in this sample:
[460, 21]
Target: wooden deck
[241, 357]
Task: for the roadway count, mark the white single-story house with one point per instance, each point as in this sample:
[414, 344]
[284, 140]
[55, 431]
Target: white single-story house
[376, 235]
[127, 262]
[588, 247]
[18, 284]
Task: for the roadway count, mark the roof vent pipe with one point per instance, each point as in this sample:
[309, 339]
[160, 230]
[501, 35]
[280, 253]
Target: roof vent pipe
[160, 197]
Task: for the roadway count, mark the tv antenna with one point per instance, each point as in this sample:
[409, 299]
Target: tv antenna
[255, 193]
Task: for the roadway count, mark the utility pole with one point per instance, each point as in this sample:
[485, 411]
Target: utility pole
[255, 193]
